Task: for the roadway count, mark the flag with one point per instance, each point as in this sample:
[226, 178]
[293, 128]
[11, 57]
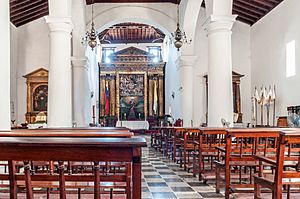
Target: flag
[256, 95]
[265, 96]
[155, 99]
[273, 97]
[106, 98]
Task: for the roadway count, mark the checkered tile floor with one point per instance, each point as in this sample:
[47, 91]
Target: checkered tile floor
[162, 178]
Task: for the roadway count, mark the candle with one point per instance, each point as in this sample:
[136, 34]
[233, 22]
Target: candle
[93, 110]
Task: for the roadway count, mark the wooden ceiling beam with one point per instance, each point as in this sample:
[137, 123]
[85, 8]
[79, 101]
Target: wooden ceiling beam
[30, 9]
[26, 6]
[245, 13]
[28, 14]
[245, 20]
[247, 5]
[31, 18]
[264, 3]
[254, 11]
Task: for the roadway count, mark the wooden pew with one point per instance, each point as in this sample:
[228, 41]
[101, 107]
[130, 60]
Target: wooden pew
[286, 162]
[206, 153]
[190, 135]
[70, 149]
[239, 163]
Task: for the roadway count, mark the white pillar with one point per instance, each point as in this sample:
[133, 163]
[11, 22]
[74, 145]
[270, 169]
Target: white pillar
[5, 66]
[186, 70]
[60, 75]
[220, 99]
[81, 92]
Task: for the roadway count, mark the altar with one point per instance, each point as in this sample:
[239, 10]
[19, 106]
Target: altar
[133, 125]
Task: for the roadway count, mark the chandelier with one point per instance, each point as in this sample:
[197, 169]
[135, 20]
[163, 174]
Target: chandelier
[92, 35]
[179, 36]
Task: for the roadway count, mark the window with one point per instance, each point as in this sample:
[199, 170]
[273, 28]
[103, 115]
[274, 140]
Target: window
[290, 59]
[106, 52]
[155, 50]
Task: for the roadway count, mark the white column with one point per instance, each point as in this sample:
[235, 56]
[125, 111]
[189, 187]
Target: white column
[220, 99]
[60, 75]
[5, 66]
[81, 92]
[186, 70]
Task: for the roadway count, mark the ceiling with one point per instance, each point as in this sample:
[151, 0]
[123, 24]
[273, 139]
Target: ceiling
[131, 33]
[248, 11]
[25, 11]
[131, 1]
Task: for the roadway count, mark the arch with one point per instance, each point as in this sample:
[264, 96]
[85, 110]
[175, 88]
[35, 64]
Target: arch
[165, 21]
[191, 14]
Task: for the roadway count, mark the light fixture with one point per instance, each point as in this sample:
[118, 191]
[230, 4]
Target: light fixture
[92, 35]
[179, 36]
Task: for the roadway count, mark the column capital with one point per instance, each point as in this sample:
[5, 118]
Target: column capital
[79, 62]
[59, 24]
[186, 61]
[219, 23]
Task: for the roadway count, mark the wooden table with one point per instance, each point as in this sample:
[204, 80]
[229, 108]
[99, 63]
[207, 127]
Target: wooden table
[73, 149]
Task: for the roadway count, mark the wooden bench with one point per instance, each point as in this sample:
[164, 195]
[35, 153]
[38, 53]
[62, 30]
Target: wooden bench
[69, 149]
[206, 152]
[239, 163]
[286, 162]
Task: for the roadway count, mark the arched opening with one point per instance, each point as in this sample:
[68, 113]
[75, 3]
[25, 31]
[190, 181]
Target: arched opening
[135, 60]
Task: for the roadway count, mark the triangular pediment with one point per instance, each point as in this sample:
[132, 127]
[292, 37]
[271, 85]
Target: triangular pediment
[132, 51]
[41, 72]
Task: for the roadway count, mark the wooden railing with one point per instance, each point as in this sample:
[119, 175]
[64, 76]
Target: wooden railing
[62, 149]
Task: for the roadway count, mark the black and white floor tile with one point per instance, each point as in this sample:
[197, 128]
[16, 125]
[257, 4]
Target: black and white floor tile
[162, 178]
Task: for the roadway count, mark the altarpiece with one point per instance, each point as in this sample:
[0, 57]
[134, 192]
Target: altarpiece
[132, 85]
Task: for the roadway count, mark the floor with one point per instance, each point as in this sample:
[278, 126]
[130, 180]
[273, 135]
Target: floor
[162, 178]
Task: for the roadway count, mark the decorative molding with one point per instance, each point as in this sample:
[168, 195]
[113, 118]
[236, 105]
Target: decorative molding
[80, 62]
[219, 23]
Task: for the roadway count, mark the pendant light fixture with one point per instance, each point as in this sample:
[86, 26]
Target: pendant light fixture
[179, 36]
[92, 35]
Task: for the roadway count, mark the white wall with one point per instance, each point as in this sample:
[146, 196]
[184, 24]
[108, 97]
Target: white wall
[241, 64]
[268, 41]
[33, 53]
[13, 69]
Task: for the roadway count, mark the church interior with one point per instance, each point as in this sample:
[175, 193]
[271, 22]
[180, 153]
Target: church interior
[149, 99]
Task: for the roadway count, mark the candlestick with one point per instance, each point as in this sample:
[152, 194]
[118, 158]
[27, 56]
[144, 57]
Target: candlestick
[93, 110]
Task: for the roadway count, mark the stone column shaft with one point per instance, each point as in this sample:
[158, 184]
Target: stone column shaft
[60, 74]
[81, 92]
[186, 71]
[150, 97]
[220, 97]
[5, 123]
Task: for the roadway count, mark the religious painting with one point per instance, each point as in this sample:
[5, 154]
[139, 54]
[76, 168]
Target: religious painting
[132, 107]
[40, 98]
[132, 96]
[131, 85]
